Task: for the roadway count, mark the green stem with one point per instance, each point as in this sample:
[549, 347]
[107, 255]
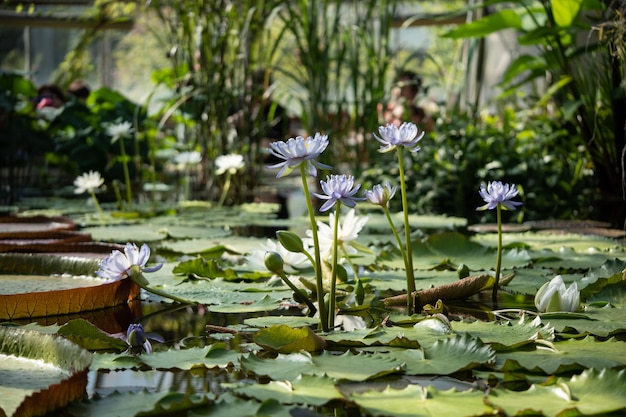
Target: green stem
[225, 189]
[333, 282]
[316, 248]
[129, 195]
[410, 277]
[298, 291]
[397, 236]
[97, 204]
[494, 294]
[142, 283]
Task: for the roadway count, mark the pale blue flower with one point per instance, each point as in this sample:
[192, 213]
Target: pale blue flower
[299, 150]
[497, 193]
[338, 188]
[554, 296]
[118, 265]
[392, 136]
[380, 195]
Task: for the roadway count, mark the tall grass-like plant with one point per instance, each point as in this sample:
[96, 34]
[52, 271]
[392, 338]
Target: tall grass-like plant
[219, 72]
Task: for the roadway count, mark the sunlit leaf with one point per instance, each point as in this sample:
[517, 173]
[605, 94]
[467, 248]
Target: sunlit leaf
[291, 321]
[284, 339]
[507, 334]
[137, 233]
[603, 321]
[212, 356]
[88, 336]
[447, 356]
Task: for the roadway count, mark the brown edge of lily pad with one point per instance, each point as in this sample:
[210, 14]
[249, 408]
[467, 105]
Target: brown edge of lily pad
[61, 302]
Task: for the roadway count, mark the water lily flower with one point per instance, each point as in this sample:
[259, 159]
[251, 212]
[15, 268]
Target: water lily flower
[230, 163]
[392, 136]
[187, 158]
[496, 193]
[88, 182]
[119, 265]
[138, 340]
[292, 261]
[380, 195]
[299, 150]
[347, 231]
[555, 296]
[338, 188]
[119, 130]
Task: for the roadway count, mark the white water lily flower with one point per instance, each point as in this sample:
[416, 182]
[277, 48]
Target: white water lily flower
[230, 163]
[118, 265]
[555, 296]
[187, 158]
[119, 130]
[348, 230]
[293, 261]
[88, 182]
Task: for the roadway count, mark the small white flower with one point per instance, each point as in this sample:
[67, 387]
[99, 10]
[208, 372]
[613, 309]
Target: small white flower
[230, 163]
[293, 261]
[347, 231]
[187, 158]
[119, 130]
[554, 296]
[88, 181]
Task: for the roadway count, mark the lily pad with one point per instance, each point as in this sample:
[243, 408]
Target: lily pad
[39, 372]
[53, 295]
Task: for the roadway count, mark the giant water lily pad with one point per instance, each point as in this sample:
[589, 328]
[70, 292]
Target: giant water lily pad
[41, 286]
[39, 372]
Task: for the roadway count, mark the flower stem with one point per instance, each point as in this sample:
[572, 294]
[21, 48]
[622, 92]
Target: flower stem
[142, 283]
[410, 277]
[225, 189]
[316, 247]
[494, 294]
[333, 282]
[129, 195]
[397, 236]
[97, 204]
[298, 291]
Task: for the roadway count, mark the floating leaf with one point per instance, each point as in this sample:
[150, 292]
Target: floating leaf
[143, 233]
[291, 321]
[88, 336]
[602, 322]
[507, 334]
[417, 401]
[212, 356]
[311, 390]
[56, 295]
[571, 355]
[447, 356]
[39, 372]
[205, 268]
[284, 339]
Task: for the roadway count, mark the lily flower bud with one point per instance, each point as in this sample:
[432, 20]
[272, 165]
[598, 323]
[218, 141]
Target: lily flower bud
[274, 262]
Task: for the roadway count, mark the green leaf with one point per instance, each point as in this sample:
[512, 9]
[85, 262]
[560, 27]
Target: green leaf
[565, 11]
[503, 19]
[284, 339]
[213, 356]
[88, 336]
[447, 356]
[508, 334]
[571, 355]
[205, 268]
[311, 390]
[418, 401]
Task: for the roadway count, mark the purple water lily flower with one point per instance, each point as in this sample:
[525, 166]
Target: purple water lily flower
[380, 195]
[138, 340]
[338, 188]
[392, 136]
[498, 193]
[118, 265]
[298, 150]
